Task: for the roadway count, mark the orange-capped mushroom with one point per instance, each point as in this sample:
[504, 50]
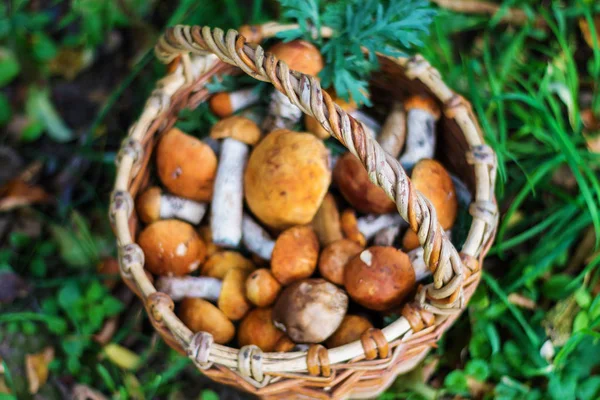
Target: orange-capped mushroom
[201, 316]
[257, 328]
[295, 254]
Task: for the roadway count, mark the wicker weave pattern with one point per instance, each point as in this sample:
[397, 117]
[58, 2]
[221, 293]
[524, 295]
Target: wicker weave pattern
[455, 276]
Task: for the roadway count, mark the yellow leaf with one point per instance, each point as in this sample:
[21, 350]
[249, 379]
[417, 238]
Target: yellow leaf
[121, 356]
[36, 367]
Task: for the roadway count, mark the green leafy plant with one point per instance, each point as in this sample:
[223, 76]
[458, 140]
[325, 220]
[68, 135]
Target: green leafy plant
[361, 29]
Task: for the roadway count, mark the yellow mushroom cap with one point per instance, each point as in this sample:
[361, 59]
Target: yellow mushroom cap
[232, 300]
[218, 264]
[186, 166]
[295, 254]
[171, 247]
[334, 257]
[201, 316]
[286, 178]
[299, 55]
[240, 128]
[257, 328]
[148, 205]
[262, 288]
[350, 330]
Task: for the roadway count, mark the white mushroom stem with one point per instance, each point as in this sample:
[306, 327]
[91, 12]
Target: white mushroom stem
[227, 201]
[256, 238]
[282, 113]
[369, 225]
[387, 236]
[243, 98]
[370, 124]
[393, 132]
[190, 286]
[180, 208]
[420, 137]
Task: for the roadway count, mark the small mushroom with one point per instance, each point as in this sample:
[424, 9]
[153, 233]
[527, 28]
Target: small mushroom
[186, 166]
[258, 329]
[201, 316]
[262, 288]
[301, 56]
[206, 235]
[350, 330]
[227, 205]
[284, 344]
[295, 254]
[218, 264]
[379, 278]
[225, 104]
[326, 222]
[256, 238]
[171, 247]
[432, 180]
[350, 227]
[287, 178]
[334, 258]
[309, 311]
[152, 205]
[352, 178]
[230, 293]
[421, 115]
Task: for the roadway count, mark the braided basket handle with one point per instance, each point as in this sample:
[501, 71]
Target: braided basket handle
[305, 92]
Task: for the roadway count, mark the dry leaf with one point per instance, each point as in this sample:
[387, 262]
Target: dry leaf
[11, 287]
[107, 332]
[70, 61]
[17, 193]
[36, 367]
[121, 356]
[521, 301]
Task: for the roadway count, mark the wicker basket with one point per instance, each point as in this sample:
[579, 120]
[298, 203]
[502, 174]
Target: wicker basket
[366, 367]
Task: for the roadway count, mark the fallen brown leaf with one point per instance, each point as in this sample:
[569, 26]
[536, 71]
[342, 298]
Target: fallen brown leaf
[586, 32]
[521, 301]
[36, 367]
[17, 193]
[83, 392]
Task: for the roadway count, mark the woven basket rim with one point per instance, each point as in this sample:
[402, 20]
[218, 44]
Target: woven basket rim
[192, 72]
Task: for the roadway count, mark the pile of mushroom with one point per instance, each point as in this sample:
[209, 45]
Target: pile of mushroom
[264, 238]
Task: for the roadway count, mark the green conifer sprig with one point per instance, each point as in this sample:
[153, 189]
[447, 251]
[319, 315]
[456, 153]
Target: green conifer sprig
[390, 27]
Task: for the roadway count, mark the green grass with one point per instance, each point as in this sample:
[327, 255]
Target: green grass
[527, 85]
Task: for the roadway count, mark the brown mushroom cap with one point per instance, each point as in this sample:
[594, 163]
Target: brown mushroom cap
[220, 104]
[310, 310]
[352, 179]
[379, 277]
[258, 329]
[218, 264]
[286, 178]
[186, 166]
[326, 222]
[410, 240]
[333, 259]
[262, 288]
[171, 247]
[201, 316]
[239, 128]
[232, 300]
[299, 55]
[295, 254]
[433, 181]
[147, 205]
[350, 330]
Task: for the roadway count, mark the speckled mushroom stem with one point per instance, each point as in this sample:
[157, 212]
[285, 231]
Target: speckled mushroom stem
[180, 208]
[282, 113]
[420, 127]
[256, 238]
[224, 104]
[190, 286]
[228, 195]
[369, 225]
